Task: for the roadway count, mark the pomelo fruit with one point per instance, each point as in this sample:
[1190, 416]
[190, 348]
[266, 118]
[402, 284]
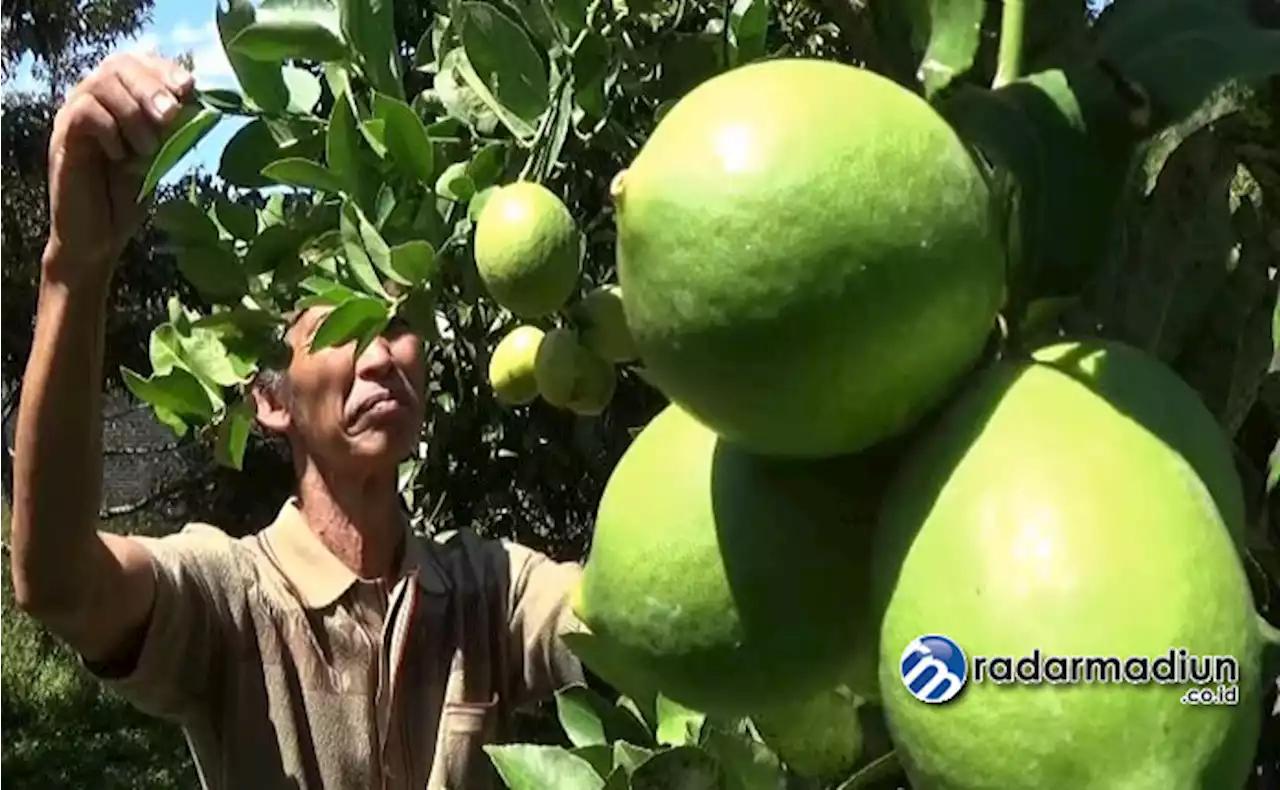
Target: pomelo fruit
[528, 249]
[1036, 514]
[603, 322]
[728, 581]
[1149, 392]
[512, 366]
[596, 384]
[808, 256]
[818, 737]
[558, 366]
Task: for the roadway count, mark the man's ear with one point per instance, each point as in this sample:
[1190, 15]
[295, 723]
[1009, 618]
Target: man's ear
[272, 410]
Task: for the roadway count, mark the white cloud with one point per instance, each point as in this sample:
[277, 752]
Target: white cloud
[211, 68]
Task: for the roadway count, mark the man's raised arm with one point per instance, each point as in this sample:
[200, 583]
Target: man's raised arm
[94, 590]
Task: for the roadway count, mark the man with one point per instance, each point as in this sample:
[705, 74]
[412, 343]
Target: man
[333, 649]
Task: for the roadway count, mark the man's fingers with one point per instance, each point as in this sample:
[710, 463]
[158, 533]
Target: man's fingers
[137, 121]
[179, 80]
[87, 117]
[130, 98]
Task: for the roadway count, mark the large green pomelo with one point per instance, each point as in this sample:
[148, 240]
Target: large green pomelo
[1038, 515]
[730, 582]
[808, 256]
[1148, 391]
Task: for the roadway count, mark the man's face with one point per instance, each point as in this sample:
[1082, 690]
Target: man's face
[353, 414]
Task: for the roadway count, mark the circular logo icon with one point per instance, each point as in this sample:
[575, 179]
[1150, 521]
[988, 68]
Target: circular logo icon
[934, 668]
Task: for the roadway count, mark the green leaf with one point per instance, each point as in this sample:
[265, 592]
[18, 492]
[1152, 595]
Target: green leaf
[418, 310]
[253, 147]
[486, 167]
[370, 27]
[748, 24]
[453, 85]
[239, 220]
[405, 136]
[177, 391]
[954, 27]
[233, 435]
[414, 262]
[165, 349]
[233, 319]
[681, 768]
[292, 29]
[747, 764]
[454, 183]
[186, 223]
[374, 131]
[1228, 353]
[1180, 51]
[342, 146]
[506, 63]
[677, 725]
[214, 271]
[537, 767]
[599, 755]
[349, 321]
[304, 89]
[207, 358]
[261, 82]
[1066, 141]
[644, 710]
[367, 253]
[629, 757]
[588, 718]
[222, 100]
[303, 173]
[1273, 476]
[187, 130]
[273, 246]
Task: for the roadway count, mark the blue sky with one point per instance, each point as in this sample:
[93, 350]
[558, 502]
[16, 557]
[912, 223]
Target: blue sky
[179, 26]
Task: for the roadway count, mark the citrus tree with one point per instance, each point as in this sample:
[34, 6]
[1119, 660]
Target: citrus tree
[549, 193]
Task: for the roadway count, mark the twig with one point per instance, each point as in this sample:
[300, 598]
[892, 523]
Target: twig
[1009, 56]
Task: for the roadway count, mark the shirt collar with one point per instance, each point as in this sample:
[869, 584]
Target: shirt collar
[319, 577]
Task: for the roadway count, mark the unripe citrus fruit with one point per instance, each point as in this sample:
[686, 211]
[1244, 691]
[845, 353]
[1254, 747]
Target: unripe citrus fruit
[597, 382]
[808, 255]
[512, 365]
[1038, 514]
[558, 366]
[604, 324]
[528, 250]
[728, 581]
[818, 737]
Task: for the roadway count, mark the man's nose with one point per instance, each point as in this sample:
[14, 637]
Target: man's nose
[376, 358]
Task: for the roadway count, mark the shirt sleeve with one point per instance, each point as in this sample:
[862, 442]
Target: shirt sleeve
[540, 612]
[173, 667]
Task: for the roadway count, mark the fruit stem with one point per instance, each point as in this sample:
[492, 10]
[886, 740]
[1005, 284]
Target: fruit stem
[1270, 634]
[1009, 57]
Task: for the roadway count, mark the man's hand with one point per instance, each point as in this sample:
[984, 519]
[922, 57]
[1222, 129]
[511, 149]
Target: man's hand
[103, 139]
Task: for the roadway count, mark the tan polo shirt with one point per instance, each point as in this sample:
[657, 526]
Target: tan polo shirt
[287, 671]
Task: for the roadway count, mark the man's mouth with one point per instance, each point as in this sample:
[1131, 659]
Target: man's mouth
[376, 406]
